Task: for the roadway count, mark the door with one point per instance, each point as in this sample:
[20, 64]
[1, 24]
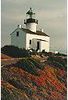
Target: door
[38, 45]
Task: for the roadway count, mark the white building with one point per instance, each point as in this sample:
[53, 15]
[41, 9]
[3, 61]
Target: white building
[30, 37]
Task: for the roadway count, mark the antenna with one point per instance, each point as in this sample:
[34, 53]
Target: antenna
[30, 12]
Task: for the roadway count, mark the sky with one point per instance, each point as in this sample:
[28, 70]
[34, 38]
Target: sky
[51, 15]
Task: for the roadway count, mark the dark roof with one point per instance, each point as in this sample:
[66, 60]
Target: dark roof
[30, 32]
[35, 33]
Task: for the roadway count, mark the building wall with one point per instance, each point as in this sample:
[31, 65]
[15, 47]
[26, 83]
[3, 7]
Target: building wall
[19, 41]
[44, 45]
[22, 41]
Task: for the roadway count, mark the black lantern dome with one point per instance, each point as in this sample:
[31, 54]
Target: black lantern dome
[30, 19]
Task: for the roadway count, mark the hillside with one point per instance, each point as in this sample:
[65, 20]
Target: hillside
[34, 78]
[3, 56]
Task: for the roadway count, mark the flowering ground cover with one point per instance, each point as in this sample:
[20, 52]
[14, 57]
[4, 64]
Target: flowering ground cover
[29, 79]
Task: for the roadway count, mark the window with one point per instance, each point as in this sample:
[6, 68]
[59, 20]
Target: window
[17, 33]
[30, 42]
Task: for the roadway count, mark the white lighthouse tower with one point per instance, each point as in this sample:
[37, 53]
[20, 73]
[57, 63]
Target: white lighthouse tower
[31, 22]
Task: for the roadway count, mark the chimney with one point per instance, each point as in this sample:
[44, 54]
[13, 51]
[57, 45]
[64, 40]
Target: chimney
[41, 30]
[19, 26]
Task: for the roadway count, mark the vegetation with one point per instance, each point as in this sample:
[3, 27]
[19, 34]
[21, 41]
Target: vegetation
[50, 84]
[15, 51]
[30, 65]
[58, 62]
[36, 76]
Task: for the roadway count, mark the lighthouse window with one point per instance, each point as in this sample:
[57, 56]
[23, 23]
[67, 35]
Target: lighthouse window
[17, 33]
[30, 42]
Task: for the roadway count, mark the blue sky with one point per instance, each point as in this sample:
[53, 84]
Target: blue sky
[51, 15]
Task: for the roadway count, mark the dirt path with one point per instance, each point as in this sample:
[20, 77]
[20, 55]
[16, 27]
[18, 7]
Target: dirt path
[5, 62]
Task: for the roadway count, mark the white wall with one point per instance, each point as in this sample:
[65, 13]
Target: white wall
[19, 41]
[31, 26]
[43, 44]
[22, 41]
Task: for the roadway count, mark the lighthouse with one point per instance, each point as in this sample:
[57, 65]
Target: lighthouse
[29, 37]
[31, 22]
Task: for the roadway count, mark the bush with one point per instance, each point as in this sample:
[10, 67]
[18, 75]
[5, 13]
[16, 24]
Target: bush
[28, 66]
[58, 61]
[15, 51]
[60, 54]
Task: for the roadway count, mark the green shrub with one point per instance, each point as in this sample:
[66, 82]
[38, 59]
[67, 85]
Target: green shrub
[58, 61]
[15, 51]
